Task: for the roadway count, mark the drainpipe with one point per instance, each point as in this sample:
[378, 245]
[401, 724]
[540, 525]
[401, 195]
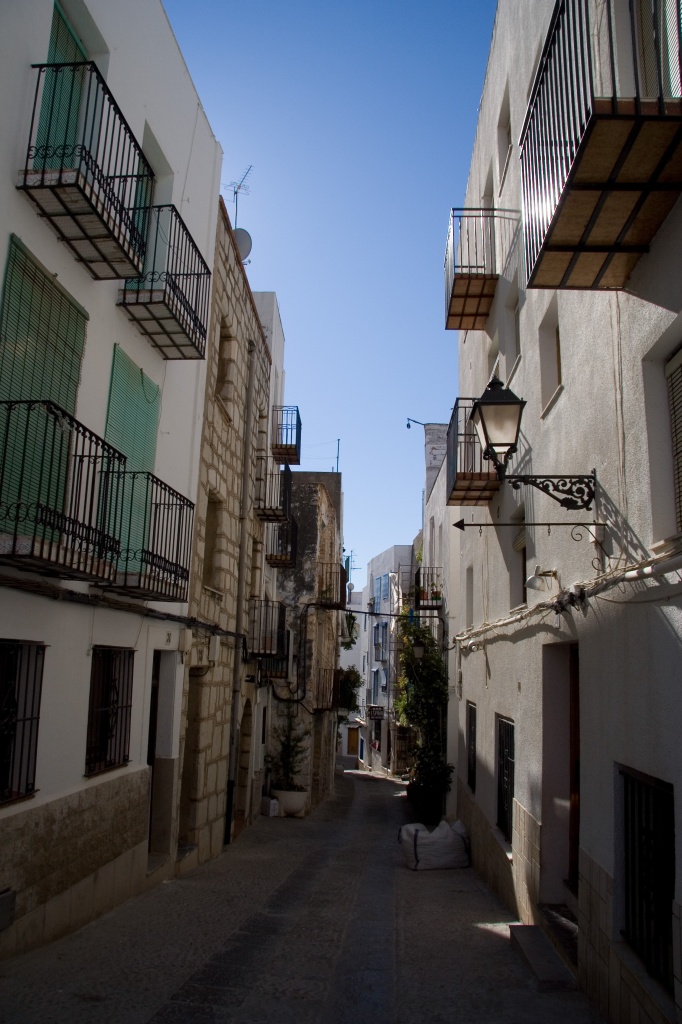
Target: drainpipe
[241, 586]
[656, 569]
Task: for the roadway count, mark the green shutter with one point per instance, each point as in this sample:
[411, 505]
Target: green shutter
[42, 336]
[132, 425]
[60, 107]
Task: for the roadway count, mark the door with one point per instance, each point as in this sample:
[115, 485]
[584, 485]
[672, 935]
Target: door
[57, 133]
[352, 742]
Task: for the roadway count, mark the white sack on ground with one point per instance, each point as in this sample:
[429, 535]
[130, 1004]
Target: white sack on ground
[446, 847]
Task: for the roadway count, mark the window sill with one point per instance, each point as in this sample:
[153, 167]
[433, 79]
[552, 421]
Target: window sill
[551, 403]
[513, 369]
[505, 846]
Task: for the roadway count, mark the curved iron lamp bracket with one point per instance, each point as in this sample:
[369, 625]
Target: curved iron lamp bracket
[573, 492]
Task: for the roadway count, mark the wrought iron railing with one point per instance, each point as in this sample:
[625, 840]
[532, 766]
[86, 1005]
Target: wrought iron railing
[61, 493]
[286, 434]
[585, 58]
[176, 275]
[428, 587]
[282, 544]
[272, 500]
[331, 585]
[156, 539]
[267, 629]
[464, 452]
[79, 135]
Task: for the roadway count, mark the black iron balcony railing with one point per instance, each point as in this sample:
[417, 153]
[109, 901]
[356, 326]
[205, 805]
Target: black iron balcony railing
[470, 479]
[61, 493]
[277, 666]
[601, 146]
[272, 500]
[282, 544]
[156, 540]
[267, 629]
[86, 172]
[286, 434]
[428, 588]
[470, 269]
[169, 301]
[331, 585]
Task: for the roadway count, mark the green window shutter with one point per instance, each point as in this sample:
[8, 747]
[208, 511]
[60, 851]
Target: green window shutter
[132, 424]
[60, 107]
[42, 334]
[133, 414]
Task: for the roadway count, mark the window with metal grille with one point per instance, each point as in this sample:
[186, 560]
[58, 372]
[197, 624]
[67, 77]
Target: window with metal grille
[649, 875]
[21, 681]
[505, 776]
[111, 701]
[384, 587]
[673, 372]
[471, 746]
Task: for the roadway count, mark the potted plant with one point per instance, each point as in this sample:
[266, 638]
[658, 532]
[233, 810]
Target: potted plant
[286, 763]
[436, 591]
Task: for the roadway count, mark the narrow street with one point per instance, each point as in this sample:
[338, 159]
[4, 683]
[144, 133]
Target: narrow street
[299, 921]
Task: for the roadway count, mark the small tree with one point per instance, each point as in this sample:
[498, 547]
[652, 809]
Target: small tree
[288, 760]
[350, 682]
[422, 702]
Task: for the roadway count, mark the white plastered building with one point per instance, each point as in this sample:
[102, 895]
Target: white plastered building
[562, 277]
[109, 183]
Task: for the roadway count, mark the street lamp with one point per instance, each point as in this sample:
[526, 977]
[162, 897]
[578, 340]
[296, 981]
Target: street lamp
[496, 416]
[418, 650]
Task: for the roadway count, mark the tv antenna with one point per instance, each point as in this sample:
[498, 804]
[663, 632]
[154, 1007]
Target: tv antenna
[240, 186]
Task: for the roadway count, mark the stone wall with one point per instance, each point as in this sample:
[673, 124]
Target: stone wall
[609, 971]
[207, 699]
[514, 873]
[74, 858]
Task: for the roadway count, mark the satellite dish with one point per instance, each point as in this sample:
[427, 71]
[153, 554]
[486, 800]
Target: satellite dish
[244, 243]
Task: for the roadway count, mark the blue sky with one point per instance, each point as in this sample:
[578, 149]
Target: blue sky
[358, 118]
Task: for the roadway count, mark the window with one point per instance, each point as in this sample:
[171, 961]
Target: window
[384, 587]
[550, 356]
[380, 638]
[649, 871]
[469, 602]
[518, 593]
[377, 593]
[673, 372]
[364, 663]
[471, 746]
[384, 682]
[375, 685]
[211, 536]
[21, 680]
[111, 699]
[505, 776]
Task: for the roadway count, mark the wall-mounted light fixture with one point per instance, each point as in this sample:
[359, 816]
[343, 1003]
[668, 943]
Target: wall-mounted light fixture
[496, 415]
[540, 579]
[414, 421]
[418, 650]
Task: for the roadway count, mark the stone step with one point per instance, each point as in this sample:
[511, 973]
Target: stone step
[533, 946]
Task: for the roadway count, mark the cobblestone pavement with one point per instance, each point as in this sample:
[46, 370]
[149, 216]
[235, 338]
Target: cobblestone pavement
[314, 920]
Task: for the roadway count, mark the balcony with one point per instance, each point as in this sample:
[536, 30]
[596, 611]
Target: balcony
[601, 146]
[331, 585]
[272, 501]
[282, 544]
[86, 172]
[267, 629]
[61, 494]
[470, 479]
[169, 301]
[278, 666]
[428, 589]
[286, 434]
[470, 269]
[156, 540]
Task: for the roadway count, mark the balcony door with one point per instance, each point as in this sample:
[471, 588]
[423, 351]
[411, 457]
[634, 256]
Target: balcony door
[57, 134]
[657, 28]
[42, 337]
[132, 425]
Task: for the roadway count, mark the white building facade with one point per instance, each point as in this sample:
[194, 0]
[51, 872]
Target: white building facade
[110, 177]
[562, 279]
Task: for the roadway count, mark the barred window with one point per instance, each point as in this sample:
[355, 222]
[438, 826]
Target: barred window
[649, 855]
[21, 681]
[471, 746]
[673, 372]
[111, 701]
[505, 776]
